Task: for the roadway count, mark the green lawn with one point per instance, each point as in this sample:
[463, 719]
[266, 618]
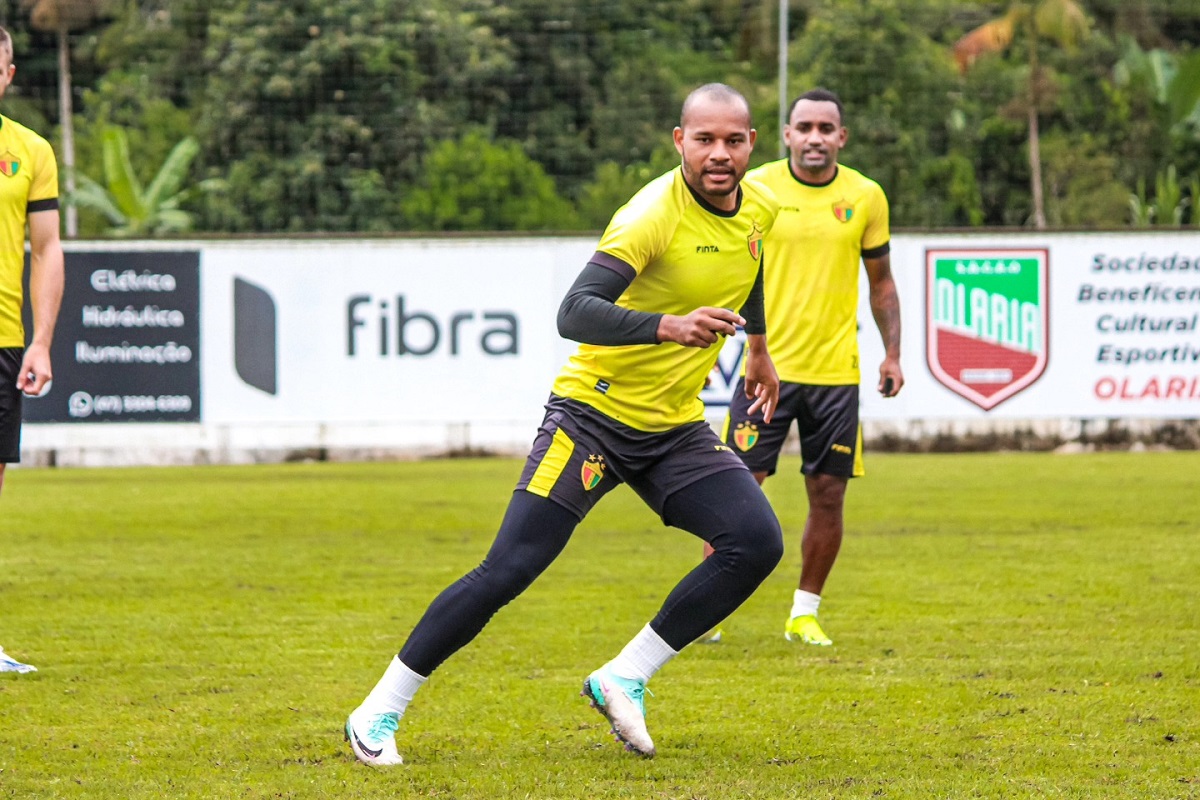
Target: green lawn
[1006, 625]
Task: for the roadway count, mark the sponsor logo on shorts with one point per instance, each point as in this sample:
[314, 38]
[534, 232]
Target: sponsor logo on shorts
[745, 435]
[593, 472]
[841, 448]
[722, 448]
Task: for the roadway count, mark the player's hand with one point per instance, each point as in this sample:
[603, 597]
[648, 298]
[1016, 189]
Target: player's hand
[762, 384]
[891, 378]
[34, 376]
[700, 328]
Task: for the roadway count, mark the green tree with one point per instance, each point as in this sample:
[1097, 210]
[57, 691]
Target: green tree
[61, 17]
[1062, 22]
[897, 90]
[132, 209]
[613, 185]
[472, 184]
[319, 114]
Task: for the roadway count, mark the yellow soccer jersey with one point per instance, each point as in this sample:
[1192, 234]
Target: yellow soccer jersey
[28, 182]
[685, 254]
[811, 271]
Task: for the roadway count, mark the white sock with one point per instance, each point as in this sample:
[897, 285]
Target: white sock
[645, 655]
[395, 689]
[805, 603]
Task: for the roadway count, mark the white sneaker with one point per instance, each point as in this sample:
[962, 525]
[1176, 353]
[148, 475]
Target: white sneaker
[10, 664]
[621, 701]
[372, 737]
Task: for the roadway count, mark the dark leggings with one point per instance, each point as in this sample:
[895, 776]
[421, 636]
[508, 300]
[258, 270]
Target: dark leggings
[727, 510]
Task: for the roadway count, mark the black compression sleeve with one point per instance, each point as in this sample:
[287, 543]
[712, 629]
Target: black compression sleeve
[753, 311]
[589, 312]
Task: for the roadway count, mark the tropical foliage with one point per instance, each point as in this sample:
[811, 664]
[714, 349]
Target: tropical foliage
[136, 211]
[371, 116]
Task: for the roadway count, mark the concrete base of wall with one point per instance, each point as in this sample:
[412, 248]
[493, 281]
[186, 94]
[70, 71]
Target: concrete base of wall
[188, 444]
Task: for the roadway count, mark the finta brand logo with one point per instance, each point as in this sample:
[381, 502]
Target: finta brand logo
[394, 329]
[707, 248]
[987, 321]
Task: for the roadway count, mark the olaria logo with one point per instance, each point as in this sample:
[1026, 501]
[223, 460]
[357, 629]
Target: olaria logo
[593, 472]
[843, 211]
[745, 435]
[987, 320]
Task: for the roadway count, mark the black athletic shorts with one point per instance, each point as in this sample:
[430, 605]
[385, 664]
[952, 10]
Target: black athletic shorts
[10, 404]
[580, 455]
[826, 418]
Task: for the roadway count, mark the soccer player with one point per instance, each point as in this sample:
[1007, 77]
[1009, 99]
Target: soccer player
[831, 217]
[28, 195]
[648, 308]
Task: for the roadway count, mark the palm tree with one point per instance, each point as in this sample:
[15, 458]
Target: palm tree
[1064, 23]
[61, 17]
[132, 210]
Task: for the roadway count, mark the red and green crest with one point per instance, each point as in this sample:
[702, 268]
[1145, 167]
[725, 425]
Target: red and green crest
[843, 211]
[745, 435]
[754, 241]
[9, 165]
[987, 320]
[592, 472]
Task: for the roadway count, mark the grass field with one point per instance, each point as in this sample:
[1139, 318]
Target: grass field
[1008, 625]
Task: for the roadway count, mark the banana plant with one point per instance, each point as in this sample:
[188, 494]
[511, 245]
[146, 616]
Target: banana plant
[1169, 202]
[131, 209]
[1141, 209]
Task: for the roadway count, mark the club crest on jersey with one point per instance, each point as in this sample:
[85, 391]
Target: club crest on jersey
[987, 320]
[843, 211]
[745, 435]
[9, 164]
[593, 472]
[754, 241]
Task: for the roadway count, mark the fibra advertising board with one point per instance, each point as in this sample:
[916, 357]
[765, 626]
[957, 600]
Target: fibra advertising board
[1006, 326]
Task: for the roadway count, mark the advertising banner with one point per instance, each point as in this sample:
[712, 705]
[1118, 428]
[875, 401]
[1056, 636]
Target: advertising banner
[421, 331]
[127, 343]
[461, 331]
[1027, 326]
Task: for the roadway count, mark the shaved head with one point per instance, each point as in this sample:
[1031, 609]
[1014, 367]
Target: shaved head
[714, 140]
[713, 93]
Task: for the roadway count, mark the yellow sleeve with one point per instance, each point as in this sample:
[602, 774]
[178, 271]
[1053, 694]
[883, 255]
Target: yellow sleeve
[877, 231]
[641, 230]
[44, 181]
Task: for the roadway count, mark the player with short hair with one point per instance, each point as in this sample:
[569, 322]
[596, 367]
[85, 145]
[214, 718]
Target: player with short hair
[831, 218]
[28, 196]
[659, 292]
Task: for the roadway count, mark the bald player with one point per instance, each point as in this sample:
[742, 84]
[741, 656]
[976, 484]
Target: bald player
[678, 268]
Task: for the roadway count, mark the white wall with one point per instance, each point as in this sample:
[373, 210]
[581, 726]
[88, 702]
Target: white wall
[1087, 334]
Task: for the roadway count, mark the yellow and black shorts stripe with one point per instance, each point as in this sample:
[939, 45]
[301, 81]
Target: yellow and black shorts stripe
[580, 455]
